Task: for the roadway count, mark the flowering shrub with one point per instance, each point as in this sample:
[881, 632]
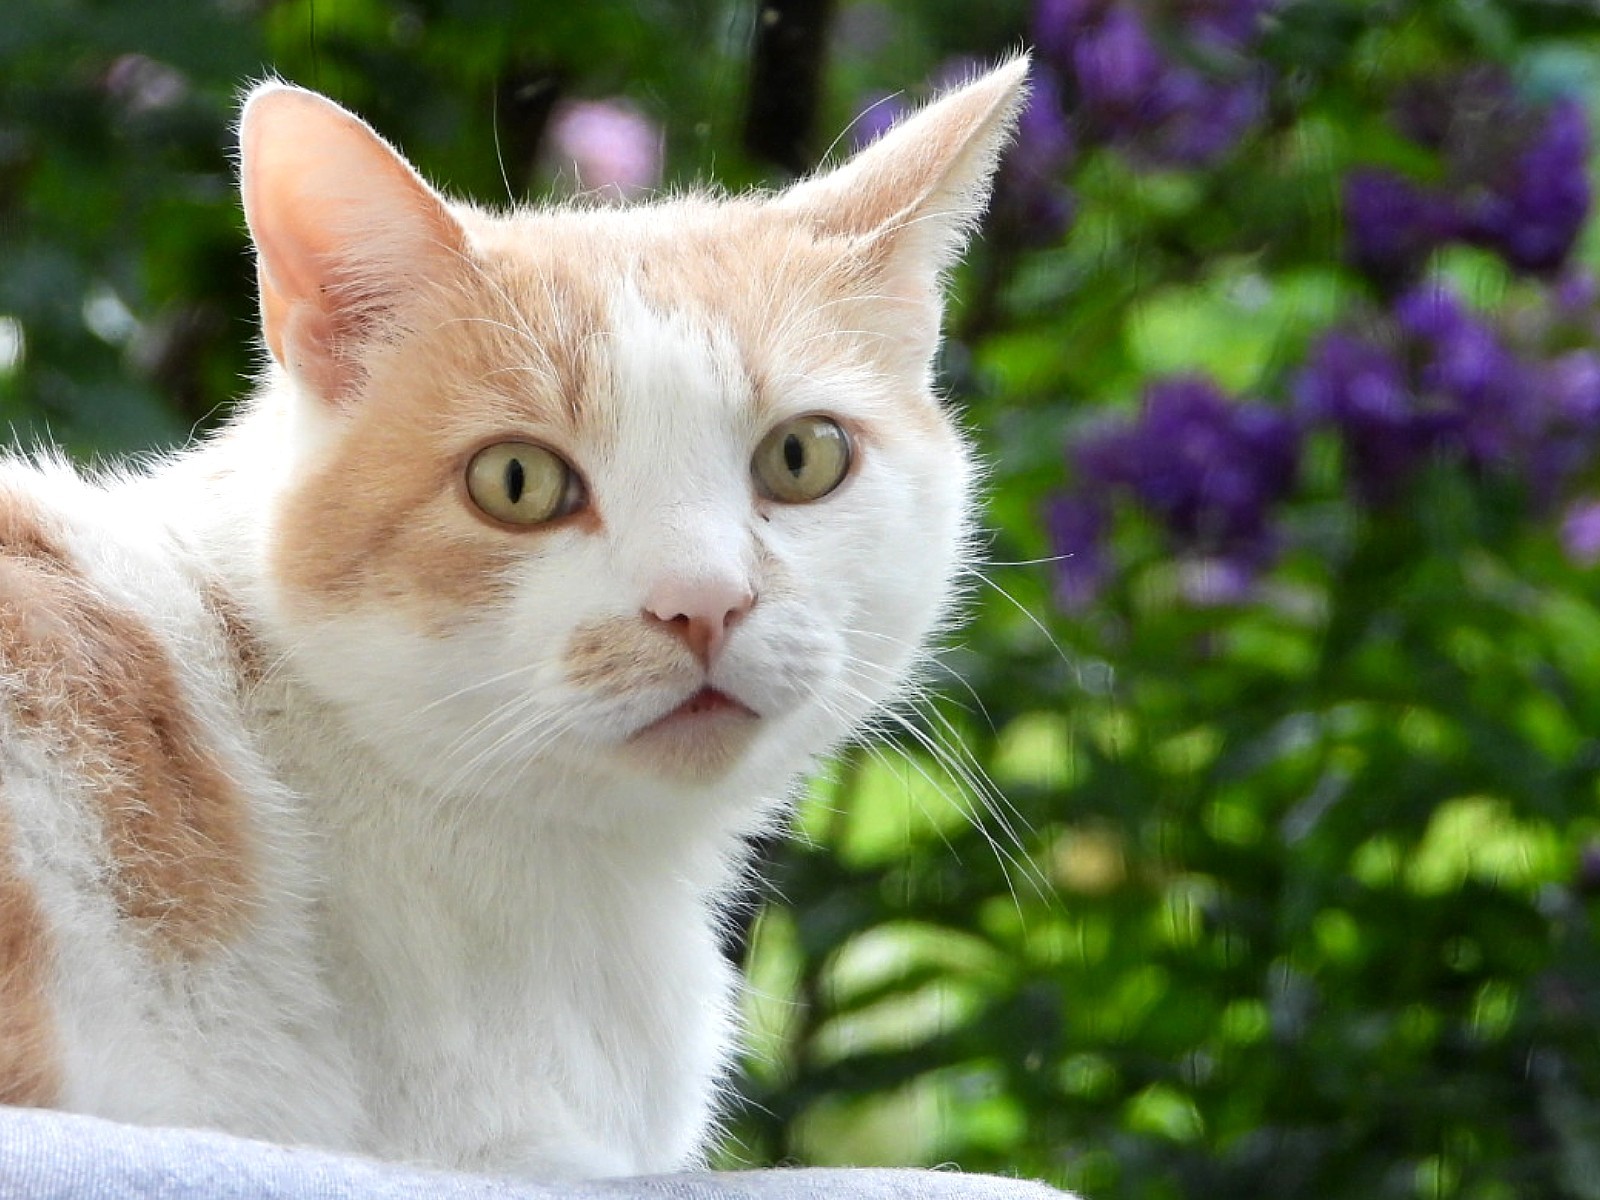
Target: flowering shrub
[1422, 379]
[1284, 343]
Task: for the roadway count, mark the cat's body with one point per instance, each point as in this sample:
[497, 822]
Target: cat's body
[368, 784]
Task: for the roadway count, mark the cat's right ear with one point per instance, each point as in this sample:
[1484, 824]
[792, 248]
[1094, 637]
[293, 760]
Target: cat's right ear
[911, 199]
[343, 228]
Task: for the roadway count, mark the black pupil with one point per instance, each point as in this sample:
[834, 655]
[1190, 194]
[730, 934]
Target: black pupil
[794, 454]
[515, 479]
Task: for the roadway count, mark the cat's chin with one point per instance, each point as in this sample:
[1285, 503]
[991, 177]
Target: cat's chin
[700, 738]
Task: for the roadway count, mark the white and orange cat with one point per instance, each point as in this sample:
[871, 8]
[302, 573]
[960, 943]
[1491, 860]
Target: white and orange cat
[371, 773]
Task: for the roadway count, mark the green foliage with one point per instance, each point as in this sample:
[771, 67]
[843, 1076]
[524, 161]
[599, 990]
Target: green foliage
[1292, 895]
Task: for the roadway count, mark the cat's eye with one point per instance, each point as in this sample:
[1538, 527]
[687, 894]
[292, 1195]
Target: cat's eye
[802, 459]
[522, 484]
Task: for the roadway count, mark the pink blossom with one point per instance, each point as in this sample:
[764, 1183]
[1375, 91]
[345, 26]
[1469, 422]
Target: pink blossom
[608, 144]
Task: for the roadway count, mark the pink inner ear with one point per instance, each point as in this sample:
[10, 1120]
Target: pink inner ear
[313, 344]
[342, 226]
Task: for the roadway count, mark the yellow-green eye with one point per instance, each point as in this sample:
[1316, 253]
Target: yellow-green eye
[522, 484]
[801, 460]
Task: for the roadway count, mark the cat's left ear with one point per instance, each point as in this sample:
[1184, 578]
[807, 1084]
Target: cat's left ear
[913, 197]
[345, 230]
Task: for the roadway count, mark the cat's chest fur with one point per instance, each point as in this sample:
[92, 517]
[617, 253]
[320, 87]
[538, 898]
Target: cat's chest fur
[372, 774]
[546, 1000]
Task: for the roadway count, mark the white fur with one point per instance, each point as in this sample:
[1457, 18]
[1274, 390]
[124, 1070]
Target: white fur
[486, 933]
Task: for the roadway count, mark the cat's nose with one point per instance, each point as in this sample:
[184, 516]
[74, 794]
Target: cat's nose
[700, 611]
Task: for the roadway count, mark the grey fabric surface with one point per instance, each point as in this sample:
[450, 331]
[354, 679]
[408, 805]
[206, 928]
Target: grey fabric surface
[60, 1156]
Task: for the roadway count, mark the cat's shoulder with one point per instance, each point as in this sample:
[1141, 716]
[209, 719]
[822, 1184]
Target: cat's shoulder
[90, 571]
[98, 588]
[119, 683]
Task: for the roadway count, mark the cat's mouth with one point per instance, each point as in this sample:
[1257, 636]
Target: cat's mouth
[707, 708]
[708, 701]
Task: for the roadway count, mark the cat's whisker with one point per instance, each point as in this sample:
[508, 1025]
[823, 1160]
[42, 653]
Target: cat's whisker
[523, 331]
[875, 335]
[934, 659]
[1016, 859]
[950, 756]
[531, 668]
[499, 152]
[493, 726]
[974, 573]
[485, 726]
[892, 98]
[523, 336]
[953, 755]
[954, 759]
[1045, 561]
[949, 761]
[553, 725]
[520, 765]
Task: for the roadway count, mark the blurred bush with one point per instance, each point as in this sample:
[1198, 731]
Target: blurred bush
[1253, 846]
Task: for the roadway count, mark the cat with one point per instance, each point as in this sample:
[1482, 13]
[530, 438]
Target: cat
[374, 773]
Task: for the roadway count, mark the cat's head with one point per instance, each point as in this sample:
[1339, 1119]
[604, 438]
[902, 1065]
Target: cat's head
[660, 491]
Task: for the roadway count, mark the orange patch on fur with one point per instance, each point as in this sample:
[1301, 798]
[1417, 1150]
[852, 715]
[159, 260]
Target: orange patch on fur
[618, 654]
[98, 687]
[30, 1070]
[794, 301]
[385, 517]
[245, 652]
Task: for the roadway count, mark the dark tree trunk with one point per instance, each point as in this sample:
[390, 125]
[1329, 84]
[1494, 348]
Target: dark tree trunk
[791, 44]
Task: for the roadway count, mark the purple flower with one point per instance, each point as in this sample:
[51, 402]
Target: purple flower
[1360, 388]
[1219, 580]
[1580, 532]
[1564, 393]
[1510, 414]
[1518, 173]
[1392, 225]
[1117, 67]
[1057, 25]
[1209, 469]
[1044, 139]
[1464, 367]
[1454, 386]
[1575, 293]
[1445, 381]
[1571, 386]
[1196, 118]
[1534, 207]
[1077, 527]
[1174, 108]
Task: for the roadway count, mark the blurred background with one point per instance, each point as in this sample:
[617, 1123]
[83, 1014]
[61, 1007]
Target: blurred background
[1251, 844]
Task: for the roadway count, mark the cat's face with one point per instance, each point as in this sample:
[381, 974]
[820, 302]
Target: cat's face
[658, 492]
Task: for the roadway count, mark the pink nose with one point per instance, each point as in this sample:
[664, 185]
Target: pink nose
[699, 611]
